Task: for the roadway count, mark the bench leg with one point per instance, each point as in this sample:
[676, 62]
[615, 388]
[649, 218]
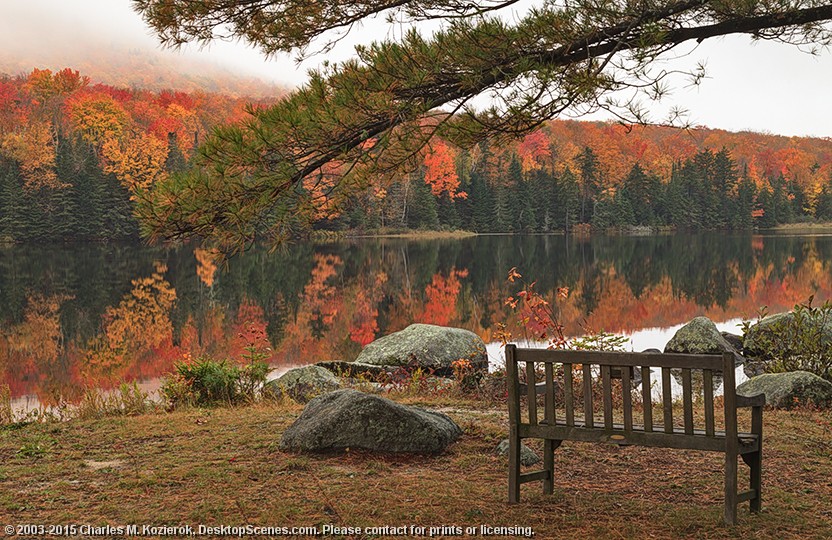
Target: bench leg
[755, 462]
[730, 488]
[549, 447]
[513, 465]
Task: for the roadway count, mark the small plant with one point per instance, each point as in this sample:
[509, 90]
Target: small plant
[36, 448]
[209, 381]
[466, 377]
[127, 400]
[798, 341]
[540, 321]
[6, 411]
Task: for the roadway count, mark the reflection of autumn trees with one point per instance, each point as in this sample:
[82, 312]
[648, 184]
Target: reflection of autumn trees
[138, 325]
[101, 317]
[441, 297]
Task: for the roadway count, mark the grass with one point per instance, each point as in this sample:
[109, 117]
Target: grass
[810, 226]
[222, 467]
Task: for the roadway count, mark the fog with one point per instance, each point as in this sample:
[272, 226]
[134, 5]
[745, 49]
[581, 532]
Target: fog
[765, 86]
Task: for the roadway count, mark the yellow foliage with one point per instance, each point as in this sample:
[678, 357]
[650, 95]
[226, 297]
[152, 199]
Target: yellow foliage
[136, 161]
[142, 318]
[39, 335]
[206, 265]
[98, 118]
[34, 149]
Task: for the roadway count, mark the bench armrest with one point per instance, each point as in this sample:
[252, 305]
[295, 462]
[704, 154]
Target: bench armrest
[751, 401]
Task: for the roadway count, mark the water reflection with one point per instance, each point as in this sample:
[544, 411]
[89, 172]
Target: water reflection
[83, 316]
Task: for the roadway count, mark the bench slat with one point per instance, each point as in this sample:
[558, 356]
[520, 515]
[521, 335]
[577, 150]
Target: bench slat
[647, 398]
[549, 398]
[589, 417]
[687, 400]
[606, 385]
[531, 392]
[568, 397]
[626, 388]
[746, 442]
[708, 391]
[667, 398]
[607, 358]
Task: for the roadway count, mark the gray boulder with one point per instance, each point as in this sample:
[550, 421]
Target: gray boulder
[351, 419]
[700, 336]
[734, 339]
[785, 390]
[528, 457]
[356, 370]
[304, 383]
[428, 347]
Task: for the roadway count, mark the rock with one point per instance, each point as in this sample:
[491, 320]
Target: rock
[357, 370]
[785, 390]
[352, 419]
[428, 347]
[754, 368]
[528, 457]
[734, 339]
[304, 383]
[700, 336]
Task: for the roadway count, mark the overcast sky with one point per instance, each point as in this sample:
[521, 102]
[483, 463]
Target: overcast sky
[765, 86]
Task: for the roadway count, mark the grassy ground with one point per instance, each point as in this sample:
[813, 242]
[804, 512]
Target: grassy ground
[803, 227]
[222, 467]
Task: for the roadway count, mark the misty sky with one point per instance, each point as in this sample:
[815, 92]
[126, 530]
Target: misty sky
[762, 87]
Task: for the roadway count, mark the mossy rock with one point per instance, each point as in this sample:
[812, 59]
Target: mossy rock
[700, 336]
[351, 419]
[786, 390]
[304, 383]
[426, 346]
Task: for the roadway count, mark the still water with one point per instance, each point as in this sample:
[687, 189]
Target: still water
[73, 317]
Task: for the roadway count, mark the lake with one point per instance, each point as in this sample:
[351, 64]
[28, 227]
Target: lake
[92, 316]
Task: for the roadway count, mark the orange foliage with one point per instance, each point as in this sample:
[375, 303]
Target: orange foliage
[442, 294]
[440, 170]
[533, 150]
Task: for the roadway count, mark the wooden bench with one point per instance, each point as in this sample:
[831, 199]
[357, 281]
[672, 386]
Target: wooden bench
[565, 418]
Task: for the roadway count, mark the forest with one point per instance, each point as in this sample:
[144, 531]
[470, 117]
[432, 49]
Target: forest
[74, 154]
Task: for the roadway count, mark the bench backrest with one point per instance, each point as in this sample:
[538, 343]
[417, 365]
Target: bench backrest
[568, 373]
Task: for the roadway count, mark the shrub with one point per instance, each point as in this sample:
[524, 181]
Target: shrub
[211, 382]
[798, 342]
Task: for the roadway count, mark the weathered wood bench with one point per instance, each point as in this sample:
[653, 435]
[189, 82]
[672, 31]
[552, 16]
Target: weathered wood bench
[565, 418]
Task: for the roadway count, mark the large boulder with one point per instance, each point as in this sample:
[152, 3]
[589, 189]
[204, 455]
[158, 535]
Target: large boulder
[700, 336]
[357, 370]
[352, 419]
[304, 383]
[785, 390]
[428, 347]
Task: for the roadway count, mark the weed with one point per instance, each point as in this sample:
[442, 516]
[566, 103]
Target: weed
[6, 412]
[127, 400]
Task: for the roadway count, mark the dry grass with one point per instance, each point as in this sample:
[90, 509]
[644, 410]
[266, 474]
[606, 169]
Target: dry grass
[222, 467]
